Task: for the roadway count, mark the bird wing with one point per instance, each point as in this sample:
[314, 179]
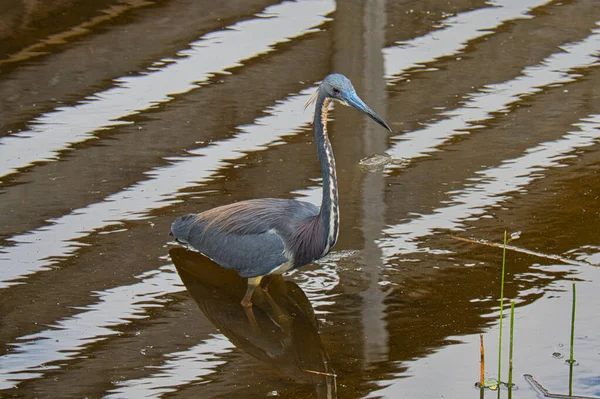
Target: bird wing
[248, 237]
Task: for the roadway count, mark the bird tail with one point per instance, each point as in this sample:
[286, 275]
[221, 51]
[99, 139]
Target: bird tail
[180, 229]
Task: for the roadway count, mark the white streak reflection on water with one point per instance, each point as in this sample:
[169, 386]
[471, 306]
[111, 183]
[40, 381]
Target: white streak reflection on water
[213, 53]
[457, 32]
[65, 339]
[179, 368]
[587, 253]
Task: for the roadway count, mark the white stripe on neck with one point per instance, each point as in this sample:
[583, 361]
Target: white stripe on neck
[334, 216]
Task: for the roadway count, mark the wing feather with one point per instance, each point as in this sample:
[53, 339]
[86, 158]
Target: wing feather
[249, 237]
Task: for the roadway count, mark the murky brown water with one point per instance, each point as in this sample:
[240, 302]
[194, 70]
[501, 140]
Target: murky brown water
[119, 116]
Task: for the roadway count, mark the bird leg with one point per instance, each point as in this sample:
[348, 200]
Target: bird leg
[253, 282]
[251, 318]
[281, 318]
[266, 281]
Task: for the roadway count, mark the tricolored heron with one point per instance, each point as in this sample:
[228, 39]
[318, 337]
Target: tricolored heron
[271, 236]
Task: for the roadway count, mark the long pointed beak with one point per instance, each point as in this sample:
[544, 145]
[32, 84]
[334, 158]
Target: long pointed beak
[354, 100]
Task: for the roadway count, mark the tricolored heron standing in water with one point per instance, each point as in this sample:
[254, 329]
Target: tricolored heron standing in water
[271, 236]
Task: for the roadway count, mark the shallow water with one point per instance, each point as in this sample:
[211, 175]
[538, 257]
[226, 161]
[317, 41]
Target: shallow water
[118, 117]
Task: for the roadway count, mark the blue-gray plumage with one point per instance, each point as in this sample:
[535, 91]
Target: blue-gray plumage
[266, 236]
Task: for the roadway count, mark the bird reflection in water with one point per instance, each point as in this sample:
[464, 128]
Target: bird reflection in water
[280, 329]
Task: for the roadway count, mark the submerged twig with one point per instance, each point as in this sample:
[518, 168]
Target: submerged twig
[320, 373]
[526, 251]
[547, 394]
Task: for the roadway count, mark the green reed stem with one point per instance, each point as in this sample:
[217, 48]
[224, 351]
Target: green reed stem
[571, 360]
[501, 310]
[510, 354]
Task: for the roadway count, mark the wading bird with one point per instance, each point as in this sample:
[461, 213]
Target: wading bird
[271, 236]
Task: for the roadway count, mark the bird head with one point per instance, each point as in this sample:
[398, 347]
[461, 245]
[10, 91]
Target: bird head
[339, 88]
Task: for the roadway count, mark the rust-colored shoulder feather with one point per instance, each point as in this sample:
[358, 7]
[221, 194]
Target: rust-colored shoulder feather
[253, 216]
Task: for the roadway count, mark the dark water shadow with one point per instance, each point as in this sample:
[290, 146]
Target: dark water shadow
[281, 330]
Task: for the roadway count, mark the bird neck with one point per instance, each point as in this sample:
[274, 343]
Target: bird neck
[329, 212]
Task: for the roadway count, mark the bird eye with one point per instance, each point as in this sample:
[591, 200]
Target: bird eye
[336, 91]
